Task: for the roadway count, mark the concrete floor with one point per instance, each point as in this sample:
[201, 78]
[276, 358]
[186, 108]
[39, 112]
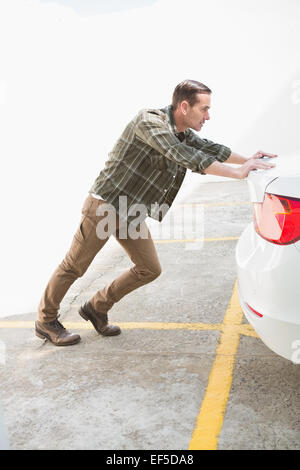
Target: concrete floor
[144, 388]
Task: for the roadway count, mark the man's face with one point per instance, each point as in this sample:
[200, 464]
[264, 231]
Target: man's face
[195, 116]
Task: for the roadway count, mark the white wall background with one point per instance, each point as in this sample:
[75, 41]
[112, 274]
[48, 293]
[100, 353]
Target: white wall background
[70, 80]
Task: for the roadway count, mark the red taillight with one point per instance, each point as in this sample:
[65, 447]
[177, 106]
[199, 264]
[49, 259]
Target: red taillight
[255, 311]
[277, 219]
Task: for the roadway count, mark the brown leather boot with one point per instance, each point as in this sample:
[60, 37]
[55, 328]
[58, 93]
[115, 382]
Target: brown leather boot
[56, 333]
[99, 320]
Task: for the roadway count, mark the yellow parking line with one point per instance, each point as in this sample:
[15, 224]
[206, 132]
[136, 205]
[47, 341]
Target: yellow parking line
[17, 324]
[246, 329]
[124, 325]
[212, 204]
[194, 240]
[210, 419]
[153, 326]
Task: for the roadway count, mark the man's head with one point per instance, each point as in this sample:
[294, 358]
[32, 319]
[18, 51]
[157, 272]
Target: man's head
[191, 102]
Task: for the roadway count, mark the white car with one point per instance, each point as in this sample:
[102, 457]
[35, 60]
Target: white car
[268, 257]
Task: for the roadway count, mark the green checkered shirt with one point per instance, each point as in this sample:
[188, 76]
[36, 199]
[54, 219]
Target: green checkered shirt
[148, 162]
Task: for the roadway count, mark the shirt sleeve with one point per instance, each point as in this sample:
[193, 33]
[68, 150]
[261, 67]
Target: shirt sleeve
[221, 152]
[154, 130]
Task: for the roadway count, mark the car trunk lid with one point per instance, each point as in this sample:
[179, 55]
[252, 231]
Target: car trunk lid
[284, 179]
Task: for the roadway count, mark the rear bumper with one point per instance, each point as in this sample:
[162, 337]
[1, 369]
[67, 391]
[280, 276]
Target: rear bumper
[280, 336]
[268, 281]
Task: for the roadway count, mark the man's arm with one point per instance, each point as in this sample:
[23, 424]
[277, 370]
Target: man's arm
[154, 131]
[198, 155]
[239, 159]
[236, 158]
[241, 172]
[195, 141]
[221, 152]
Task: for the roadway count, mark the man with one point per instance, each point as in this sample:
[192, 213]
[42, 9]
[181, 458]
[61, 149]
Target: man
[145, 169]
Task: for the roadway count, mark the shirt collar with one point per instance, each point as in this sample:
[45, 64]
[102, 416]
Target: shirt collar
[169, 111]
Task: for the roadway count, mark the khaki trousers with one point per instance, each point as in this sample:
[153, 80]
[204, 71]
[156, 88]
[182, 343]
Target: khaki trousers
[85, 245]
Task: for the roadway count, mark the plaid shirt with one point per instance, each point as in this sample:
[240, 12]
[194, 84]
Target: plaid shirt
[148, 162]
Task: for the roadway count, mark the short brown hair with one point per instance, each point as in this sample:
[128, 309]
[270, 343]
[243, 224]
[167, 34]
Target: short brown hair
[188, 90]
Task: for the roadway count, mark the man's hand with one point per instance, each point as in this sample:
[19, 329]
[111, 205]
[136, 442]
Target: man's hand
[239, 159]
[246, 165]
[260, 154]
[253, 163]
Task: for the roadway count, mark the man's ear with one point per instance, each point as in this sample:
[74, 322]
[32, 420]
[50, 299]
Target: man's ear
[184, 107]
